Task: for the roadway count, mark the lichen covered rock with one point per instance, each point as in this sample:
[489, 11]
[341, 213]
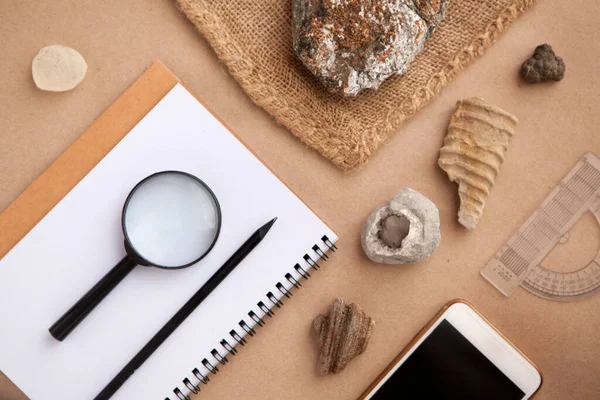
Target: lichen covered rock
[350, 45]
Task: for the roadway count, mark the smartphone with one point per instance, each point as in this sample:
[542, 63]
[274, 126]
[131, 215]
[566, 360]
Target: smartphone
[458, 355]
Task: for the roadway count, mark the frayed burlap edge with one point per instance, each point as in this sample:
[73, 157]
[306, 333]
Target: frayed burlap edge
[297, 119]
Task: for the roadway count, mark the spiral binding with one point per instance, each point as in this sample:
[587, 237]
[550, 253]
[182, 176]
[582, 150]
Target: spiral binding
[255, 320]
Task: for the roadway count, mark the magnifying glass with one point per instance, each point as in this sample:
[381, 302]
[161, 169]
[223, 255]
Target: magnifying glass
[170, 220]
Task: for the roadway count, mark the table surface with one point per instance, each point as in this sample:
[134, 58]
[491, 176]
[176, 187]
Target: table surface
[558, 124]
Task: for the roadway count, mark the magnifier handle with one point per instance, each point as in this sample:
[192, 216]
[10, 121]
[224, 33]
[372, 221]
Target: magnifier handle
[91, 299]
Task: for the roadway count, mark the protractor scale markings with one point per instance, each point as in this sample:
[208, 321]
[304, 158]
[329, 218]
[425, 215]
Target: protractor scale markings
[518, 263]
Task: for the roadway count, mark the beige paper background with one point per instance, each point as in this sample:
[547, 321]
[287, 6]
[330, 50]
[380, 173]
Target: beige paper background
[558, 124]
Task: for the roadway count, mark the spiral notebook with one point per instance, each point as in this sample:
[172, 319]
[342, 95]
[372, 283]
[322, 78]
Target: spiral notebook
[80, 239]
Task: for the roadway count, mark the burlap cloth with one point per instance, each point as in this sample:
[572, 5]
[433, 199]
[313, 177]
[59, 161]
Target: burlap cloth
[254, 40]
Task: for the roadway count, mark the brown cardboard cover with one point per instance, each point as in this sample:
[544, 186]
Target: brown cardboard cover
[83, 155]
[558, 124]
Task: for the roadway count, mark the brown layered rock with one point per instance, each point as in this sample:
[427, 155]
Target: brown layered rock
[342, 335]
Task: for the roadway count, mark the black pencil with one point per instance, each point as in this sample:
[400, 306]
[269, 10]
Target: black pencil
[184, 312]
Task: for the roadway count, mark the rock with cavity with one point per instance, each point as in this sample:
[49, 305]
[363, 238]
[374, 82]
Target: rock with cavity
[342, 335]
[58, 68]
[351, 45]
[404, 230]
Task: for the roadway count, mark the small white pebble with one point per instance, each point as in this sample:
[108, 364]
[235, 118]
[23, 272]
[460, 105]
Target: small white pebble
[58, 68]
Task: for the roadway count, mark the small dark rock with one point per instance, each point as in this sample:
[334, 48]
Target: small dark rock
[544, 65]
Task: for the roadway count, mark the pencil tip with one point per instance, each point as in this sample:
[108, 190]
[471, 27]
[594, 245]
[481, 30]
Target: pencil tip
[266, 227]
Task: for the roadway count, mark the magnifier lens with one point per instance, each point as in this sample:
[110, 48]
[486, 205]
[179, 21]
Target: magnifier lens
[171, 220]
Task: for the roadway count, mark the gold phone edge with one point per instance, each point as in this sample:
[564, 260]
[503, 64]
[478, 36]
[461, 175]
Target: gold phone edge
[429, 324]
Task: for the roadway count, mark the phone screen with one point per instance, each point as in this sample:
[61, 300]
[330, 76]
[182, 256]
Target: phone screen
[447, 366]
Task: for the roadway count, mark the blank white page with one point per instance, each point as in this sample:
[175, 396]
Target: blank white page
[80, 240]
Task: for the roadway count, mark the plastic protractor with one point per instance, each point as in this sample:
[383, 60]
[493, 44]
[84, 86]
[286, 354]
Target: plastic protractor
[564, 286]
[519, 262]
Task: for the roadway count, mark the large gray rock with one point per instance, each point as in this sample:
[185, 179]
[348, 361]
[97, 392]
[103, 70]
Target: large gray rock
[404, 230]
[350, 45]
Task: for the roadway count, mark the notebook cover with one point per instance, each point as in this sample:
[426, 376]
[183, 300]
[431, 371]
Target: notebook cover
[83, 155]
[87, 151]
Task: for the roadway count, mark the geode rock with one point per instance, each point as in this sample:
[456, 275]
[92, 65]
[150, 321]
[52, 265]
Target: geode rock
[350, 45]
[404, 230]
[342, 335]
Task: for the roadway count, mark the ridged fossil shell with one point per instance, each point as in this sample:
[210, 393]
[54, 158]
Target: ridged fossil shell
[342, 335]
[474, 148]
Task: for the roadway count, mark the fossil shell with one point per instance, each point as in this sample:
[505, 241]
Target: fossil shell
[342, 335]
[478, 137]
